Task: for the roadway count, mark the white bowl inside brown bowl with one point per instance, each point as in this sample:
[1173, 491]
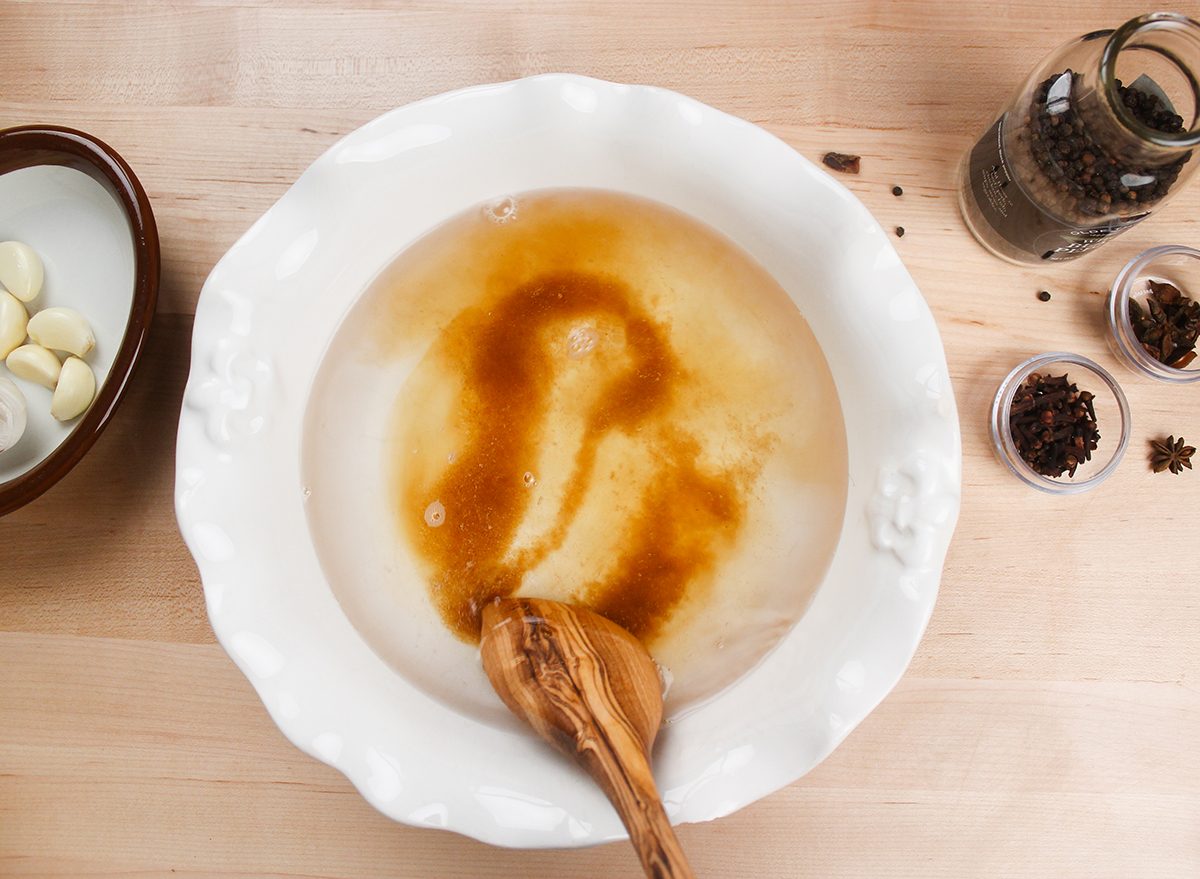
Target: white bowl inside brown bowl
[77, 204]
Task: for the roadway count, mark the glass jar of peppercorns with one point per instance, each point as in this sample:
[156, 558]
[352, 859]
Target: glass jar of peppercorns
[1097, 138]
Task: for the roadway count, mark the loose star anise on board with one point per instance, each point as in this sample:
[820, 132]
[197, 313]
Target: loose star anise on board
[843, 162]
[1168, 326]
[1171, 454]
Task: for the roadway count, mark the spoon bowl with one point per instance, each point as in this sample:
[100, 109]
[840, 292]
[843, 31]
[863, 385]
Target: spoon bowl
[590, 689]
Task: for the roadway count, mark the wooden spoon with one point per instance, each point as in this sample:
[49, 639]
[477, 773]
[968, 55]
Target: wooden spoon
[590, 689]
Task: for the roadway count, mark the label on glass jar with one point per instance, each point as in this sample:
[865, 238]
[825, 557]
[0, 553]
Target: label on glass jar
[1025, 231]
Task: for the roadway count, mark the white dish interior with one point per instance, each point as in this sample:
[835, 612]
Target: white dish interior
[750, 378]
[271, 310]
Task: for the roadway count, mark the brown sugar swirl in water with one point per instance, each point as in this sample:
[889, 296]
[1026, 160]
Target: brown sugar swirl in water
[510, 357]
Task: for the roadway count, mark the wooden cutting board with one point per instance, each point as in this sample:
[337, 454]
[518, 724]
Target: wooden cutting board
[1049, 724]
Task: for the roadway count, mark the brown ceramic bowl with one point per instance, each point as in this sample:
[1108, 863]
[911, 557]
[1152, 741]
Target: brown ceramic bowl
[79, 206]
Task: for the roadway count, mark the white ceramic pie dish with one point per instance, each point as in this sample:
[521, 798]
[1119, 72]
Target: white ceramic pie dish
[265, 322]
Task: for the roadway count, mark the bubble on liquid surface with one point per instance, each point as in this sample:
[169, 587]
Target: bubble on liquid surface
[501, 210]
[452, 457]
[530, 479]
[581, 341]
[665, 678]
[435, 514]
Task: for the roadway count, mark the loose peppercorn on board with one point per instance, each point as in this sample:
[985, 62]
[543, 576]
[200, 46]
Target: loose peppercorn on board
[1053, 700]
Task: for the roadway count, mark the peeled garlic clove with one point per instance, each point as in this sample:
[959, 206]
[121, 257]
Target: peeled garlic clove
[21, 272]
[12, 413]
[34, 364]
[63, 329]
[76, 388]
[13, 320]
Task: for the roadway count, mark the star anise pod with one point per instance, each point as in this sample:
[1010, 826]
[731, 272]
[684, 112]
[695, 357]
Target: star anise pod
[843, 162]
[1171, 454]
[1168, 325]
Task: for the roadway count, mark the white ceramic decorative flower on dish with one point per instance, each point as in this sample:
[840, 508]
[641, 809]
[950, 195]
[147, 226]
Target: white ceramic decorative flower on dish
[234, 395]
[912, 507]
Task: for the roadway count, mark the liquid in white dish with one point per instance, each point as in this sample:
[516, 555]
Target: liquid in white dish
[611, 404]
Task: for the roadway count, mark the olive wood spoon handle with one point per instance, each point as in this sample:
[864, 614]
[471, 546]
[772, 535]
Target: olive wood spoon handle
[590, 689]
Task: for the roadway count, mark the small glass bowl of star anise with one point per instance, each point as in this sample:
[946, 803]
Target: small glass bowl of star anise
[1154, 315]
[1060, 423]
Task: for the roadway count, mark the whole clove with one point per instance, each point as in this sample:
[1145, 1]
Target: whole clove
[1053, 424]
[1168, 325]
[842, 162]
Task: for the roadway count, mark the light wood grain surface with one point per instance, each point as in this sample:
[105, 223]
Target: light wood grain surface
[1049, 724]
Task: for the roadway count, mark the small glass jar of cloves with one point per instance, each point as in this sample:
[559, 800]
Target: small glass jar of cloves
[1060, 423]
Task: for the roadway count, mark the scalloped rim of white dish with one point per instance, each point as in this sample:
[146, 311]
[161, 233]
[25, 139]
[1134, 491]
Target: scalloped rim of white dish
[270, 307]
